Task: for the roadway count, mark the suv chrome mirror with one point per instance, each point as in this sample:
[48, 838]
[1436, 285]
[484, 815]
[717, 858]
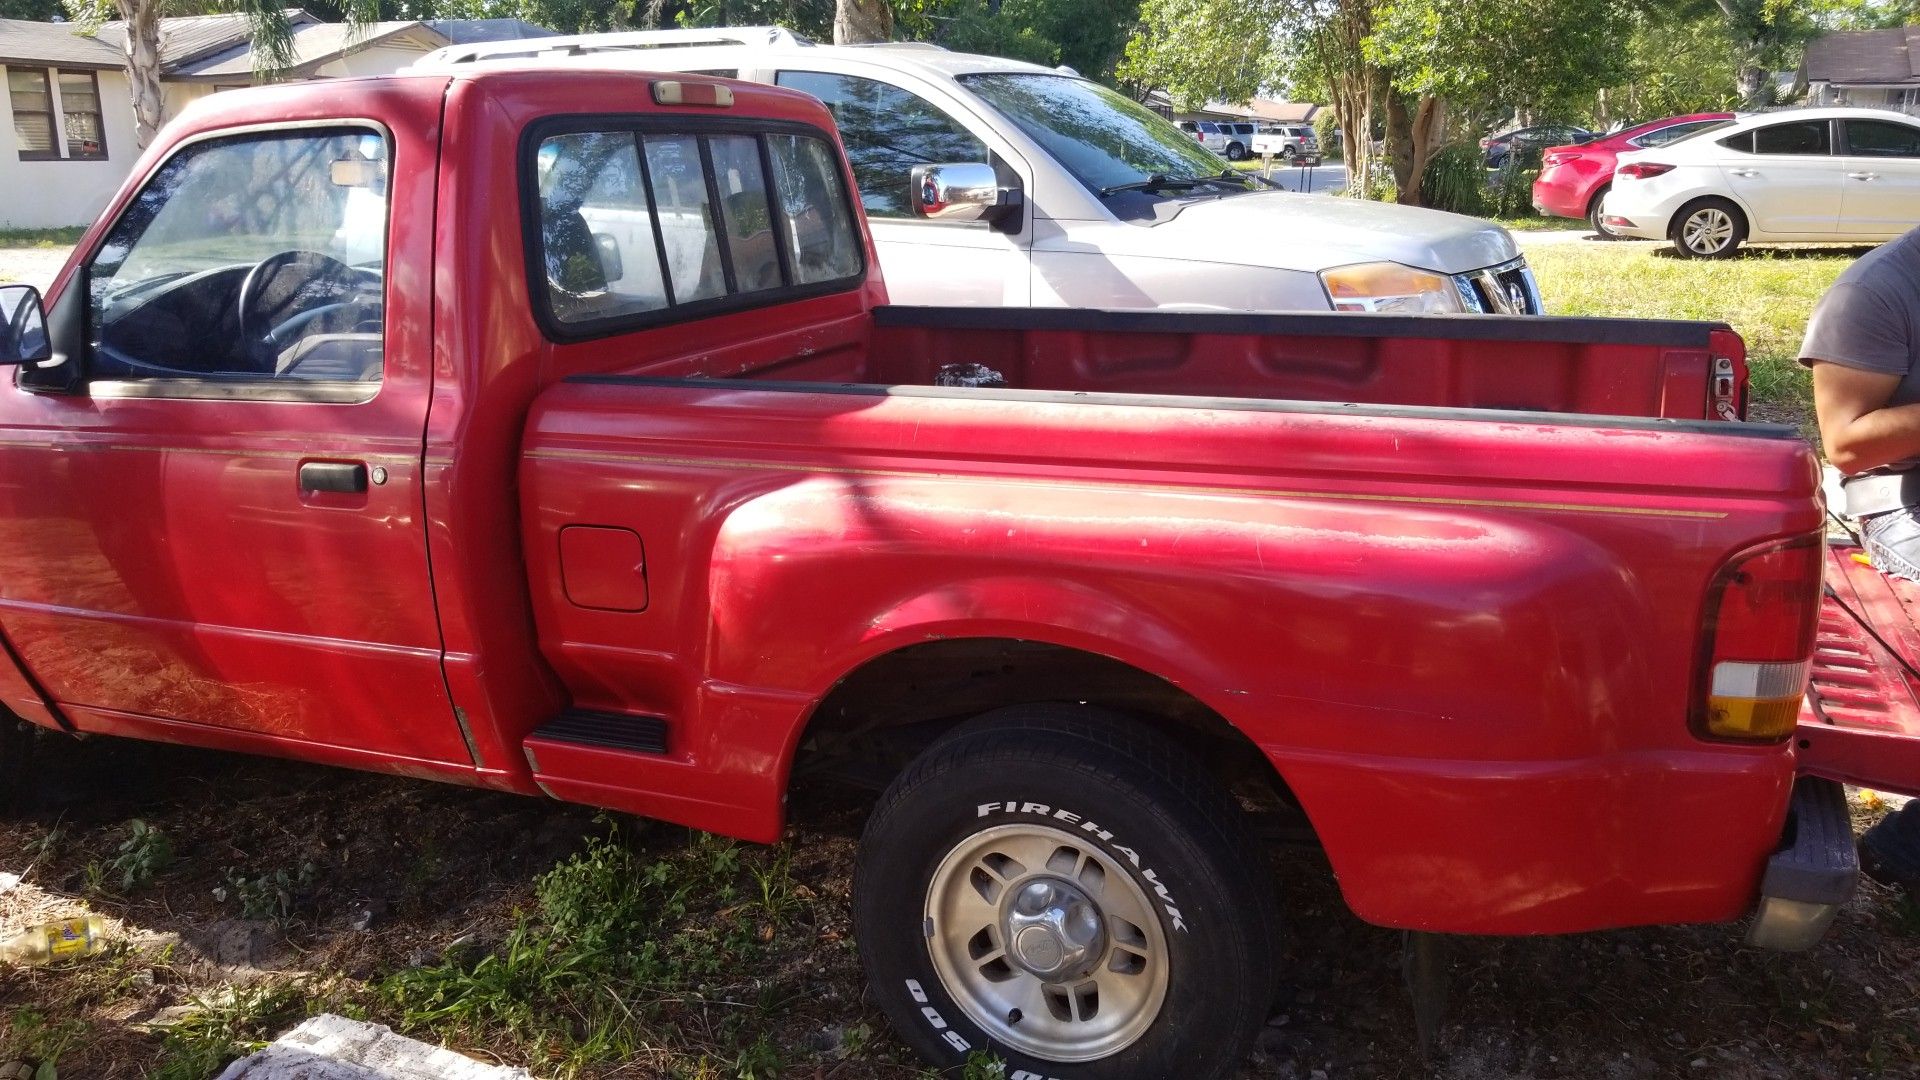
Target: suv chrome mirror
[965, 192]
[23, 327]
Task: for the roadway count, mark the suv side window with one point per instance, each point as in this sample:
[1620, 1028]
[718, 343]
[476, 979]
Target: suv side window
[887, 131]
[634, 227]
[252, 258]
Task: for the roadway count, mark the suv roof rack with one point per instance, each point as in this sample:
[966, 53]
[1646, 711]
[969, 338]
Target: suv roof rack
[571, 45]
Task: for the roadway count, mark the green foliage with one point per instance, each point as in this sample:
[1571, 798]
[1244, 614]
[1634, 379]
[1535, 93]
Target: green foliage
[144, 853]
[228, 1026]
[1512, 191]
[983, 1065]
[1536, 57]
[36, 10]
[1205, 50]
[1456, 180]
[1326, 127]
[268, 895]
[31, 1036]
[615, 942]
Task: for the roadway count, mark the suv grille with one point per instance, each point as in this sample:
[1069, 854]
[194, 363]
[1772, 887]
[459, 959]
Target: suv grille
[1507, 289]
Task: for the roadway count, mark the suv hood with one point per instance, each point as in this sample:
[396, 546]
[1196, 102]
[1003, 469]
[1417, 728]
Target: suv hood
[1314, 232]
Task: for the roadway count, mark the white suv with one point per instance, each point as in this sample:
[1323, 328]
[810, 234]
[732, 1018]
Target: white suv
[1053, 191]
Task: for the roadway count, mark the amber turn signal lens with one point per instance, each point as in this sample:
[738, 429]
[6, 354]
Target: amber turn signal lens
[1762, 719]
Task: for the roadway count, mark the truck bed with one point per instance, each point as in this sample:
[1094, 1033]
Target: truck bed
[1610, 367]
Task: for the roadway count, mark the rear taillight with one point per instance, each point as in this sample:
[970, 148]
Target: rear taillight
[1642, 170]
[1550, 160]
[1484, 143]
[1757, 642]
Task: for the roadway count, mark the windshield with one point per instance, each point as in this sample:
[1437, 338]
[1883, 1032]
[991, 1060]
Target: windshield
[1102, 138]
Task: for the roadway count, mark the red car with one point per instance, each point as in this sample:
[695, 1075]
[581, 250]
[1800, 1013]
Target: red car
[1573, 179]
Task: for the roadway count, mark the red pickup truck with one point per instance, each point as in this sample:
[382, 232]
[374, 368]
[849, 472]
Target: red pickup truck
[549, 431]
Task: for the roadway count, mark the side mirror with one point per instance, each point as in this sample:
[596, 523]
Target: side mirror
[612, 266]
[966, 192]
[23, 327]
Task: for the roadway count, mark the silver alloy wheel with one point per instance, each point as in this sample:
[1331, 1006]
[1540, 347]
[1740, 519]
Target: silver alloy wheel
[1707, 230]
[1046, 943]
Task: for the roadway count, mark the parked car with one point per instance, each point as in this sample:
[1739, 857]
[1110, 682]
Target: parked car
[1231, 140]
[1287, 142]
[1104, 203]
[1527, 141]
[616, 481]
[1574, 180]
[1849, 175]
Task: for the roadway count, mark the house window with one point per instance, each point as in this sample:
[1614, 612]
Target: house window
[32, 114]
[80, 108]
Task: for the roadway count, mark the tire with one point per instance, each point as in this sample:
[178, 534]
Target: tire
[1086, 833]
[1287, 154]
[1594, 215]
[1708, 229]
[1236, 152]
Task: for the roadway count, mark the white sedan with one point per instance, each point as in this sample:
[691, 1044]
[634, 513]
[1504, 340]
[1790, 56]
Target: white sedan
[1798, 176]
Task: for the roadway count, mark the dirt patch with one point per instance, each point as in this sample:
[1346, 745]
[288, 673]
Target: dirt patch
[399, 875]
[33, 266]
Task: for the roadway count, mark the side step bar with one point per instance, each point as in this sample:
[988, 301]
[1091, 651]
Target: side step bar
[613, 731]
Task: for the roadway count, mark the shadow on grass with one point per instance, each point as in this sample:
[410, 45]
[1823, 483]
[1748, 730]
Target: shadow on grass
[1781, 254]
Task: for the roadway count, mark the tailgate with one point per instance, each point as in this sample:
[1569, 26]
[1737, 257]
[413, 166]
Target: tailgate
[1861, 721]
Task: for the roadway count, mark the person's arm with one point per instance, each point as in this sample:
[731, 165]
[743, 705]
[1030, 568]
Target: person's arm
[1858, 346]
[1857, 428]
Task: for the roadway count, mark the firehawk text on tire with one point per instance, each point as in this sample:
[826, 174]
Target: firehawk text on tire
[1068, 890]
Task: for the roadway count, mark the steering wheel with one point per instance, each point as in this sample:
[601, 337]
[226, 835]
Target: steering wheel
[282, 288]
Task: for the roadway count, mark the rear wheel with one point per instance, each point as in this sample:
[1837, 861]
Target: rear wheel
[1286, 154]
[1708, 229]
[1071, 892]
[1236, 152]
[1596, 212]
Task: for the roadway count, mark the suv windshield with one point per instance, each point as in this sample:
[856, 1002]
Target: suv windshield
[1106, 141]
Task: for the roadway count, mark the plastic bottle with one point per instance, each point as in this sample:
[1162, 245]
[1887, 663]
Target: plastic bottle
[61, 939]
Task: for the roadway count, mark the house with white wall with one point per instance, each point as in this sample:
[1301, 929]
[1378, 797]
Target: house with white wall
[68, 138]
[1868, 68]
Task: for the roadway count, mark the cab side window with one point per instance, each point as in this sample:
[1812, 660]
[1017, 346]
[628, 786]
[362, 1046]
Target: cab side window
[887, 131]
[633, 227]
[257, 258]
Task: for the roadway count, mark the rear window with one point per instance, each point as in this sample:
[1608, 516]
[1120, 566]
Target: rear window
[1799, 137]
[635, 227]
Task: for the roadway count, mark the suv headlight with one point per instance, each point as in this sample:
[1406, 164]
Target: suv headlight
[1389, 287]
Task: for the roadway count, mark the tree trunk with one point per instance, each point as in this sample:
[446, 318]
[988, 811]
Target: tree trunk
[1424, 134]
[859, 22]
[1752, 83]
[143, 66]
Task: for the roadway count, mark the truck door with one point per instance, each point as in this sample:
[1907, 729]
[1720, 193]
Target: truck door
[887, 131]
[216, 519]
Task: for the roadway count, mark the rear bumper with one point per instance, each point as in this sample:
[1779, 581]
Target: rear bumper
[1812, 875]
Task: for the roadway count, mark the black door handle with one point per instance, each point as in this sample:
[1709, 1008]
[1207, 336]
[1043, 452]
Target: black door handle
[347, 478]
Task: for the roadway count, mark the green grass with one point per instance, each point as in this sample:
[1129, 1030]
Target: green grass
[1536, 223]
[1765, 294]
[43, 238]
[622, 956]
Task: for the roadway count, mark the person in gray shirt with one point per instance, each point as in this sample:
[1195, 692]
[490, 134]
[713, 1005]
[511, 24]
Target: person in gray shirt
[1863, 344]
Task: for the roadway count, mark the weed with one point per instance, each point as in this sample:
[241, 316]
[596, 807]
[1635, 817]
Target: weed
[32, 1037]
[617, 945]
[267, 896]
[227, 1026]
[93, 878]
[48, 845]
[982, 1065]
[143, 854]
